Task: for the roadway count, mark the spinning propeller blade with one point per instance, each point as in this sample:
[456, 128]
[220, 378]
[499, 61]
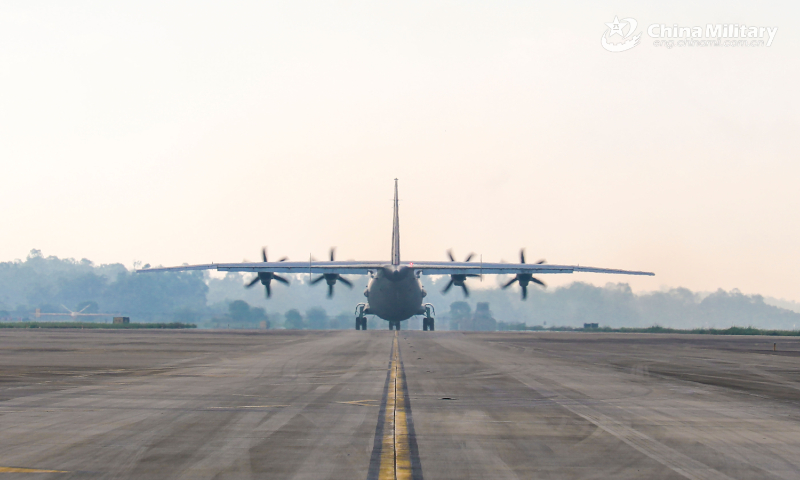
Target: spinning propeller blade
[331, 278]
[459, 278]
[525, 278]
[266, 278]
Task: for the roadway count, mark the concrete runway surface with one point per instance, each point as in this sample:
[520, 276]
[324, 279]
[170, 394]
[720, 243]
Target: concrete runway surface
[441, 405]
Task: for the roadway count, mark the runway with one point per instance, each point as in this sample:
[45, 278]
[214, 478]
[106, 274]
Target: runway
[432, 405]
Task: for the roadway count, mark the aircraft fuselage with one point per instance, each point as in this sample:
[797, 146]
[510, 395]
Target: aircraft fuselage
[394, 294]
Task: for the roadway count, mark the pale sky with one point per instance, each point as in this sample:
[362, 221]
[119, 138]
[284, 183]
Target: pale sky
[172, 132]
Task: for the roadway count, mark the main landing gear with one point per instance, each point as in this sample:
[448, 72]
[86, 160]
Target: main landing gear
[428, 322]
[361, 320]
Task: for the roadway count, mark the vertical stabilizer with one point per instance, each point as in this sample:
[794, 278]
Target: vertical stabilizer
[396, 230]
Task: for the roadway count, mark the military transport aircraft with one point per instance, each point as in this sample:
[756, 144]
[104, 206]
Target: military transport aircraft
[70, 313]
[394, 292]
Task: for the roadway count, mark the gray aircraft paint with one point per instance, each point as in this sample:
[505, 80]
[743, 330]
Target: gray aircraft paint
[396, 229]
[395, 293]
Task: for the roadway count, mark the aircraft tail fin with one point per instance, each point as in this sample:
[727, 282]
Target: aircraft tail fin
[396, 230]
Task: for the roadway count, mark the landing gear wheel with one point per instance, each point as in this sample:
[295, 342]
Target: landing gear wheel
[361, 323]
[358, 324]
[427, 320]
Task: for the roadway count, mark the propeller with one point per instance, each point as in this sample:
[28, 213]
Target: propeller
[525, 278]
[459, 278]
[267, 277]
[331, 278]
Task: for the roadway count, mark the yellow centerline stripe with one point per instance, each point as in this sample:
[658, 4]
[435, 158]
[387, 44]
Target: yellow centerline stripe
[28, 470]
[402, 449]
[395, 448]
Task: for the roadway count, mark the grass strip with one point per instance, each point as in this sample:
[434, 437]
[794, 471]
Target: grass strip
[655, 329]
[113, 326]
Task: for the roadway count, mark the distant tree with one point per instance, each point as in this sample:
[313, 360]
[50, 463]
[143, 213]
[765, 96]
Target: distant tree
[514, 326]
[156, 296]
[275, 320]
[294, 321]
[482, 320]
[239, 311]
[460, 309]
[460, 315]
[258, 314]
[317, 318]
[343, 321]
[242, 314]
[187, 315]
[77, 287]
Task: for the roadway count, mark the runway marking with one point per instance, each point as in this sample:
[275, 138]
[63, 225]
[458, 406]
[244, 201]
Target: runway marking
[361, 403]
[246, 406]
[261, 406]
[397, 457]
[28, 470]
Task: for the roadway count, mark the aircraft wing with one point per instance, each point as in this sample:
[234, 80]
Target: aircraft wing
[480, 268]
[342, 268]
[363, 268]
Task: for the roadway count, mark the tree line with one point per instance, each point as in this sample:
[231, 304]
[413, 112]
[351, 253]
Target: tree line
[47, 283]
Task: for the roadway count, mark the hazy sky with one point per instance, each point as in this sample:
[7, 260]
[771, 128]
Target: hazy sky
[174, 132]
